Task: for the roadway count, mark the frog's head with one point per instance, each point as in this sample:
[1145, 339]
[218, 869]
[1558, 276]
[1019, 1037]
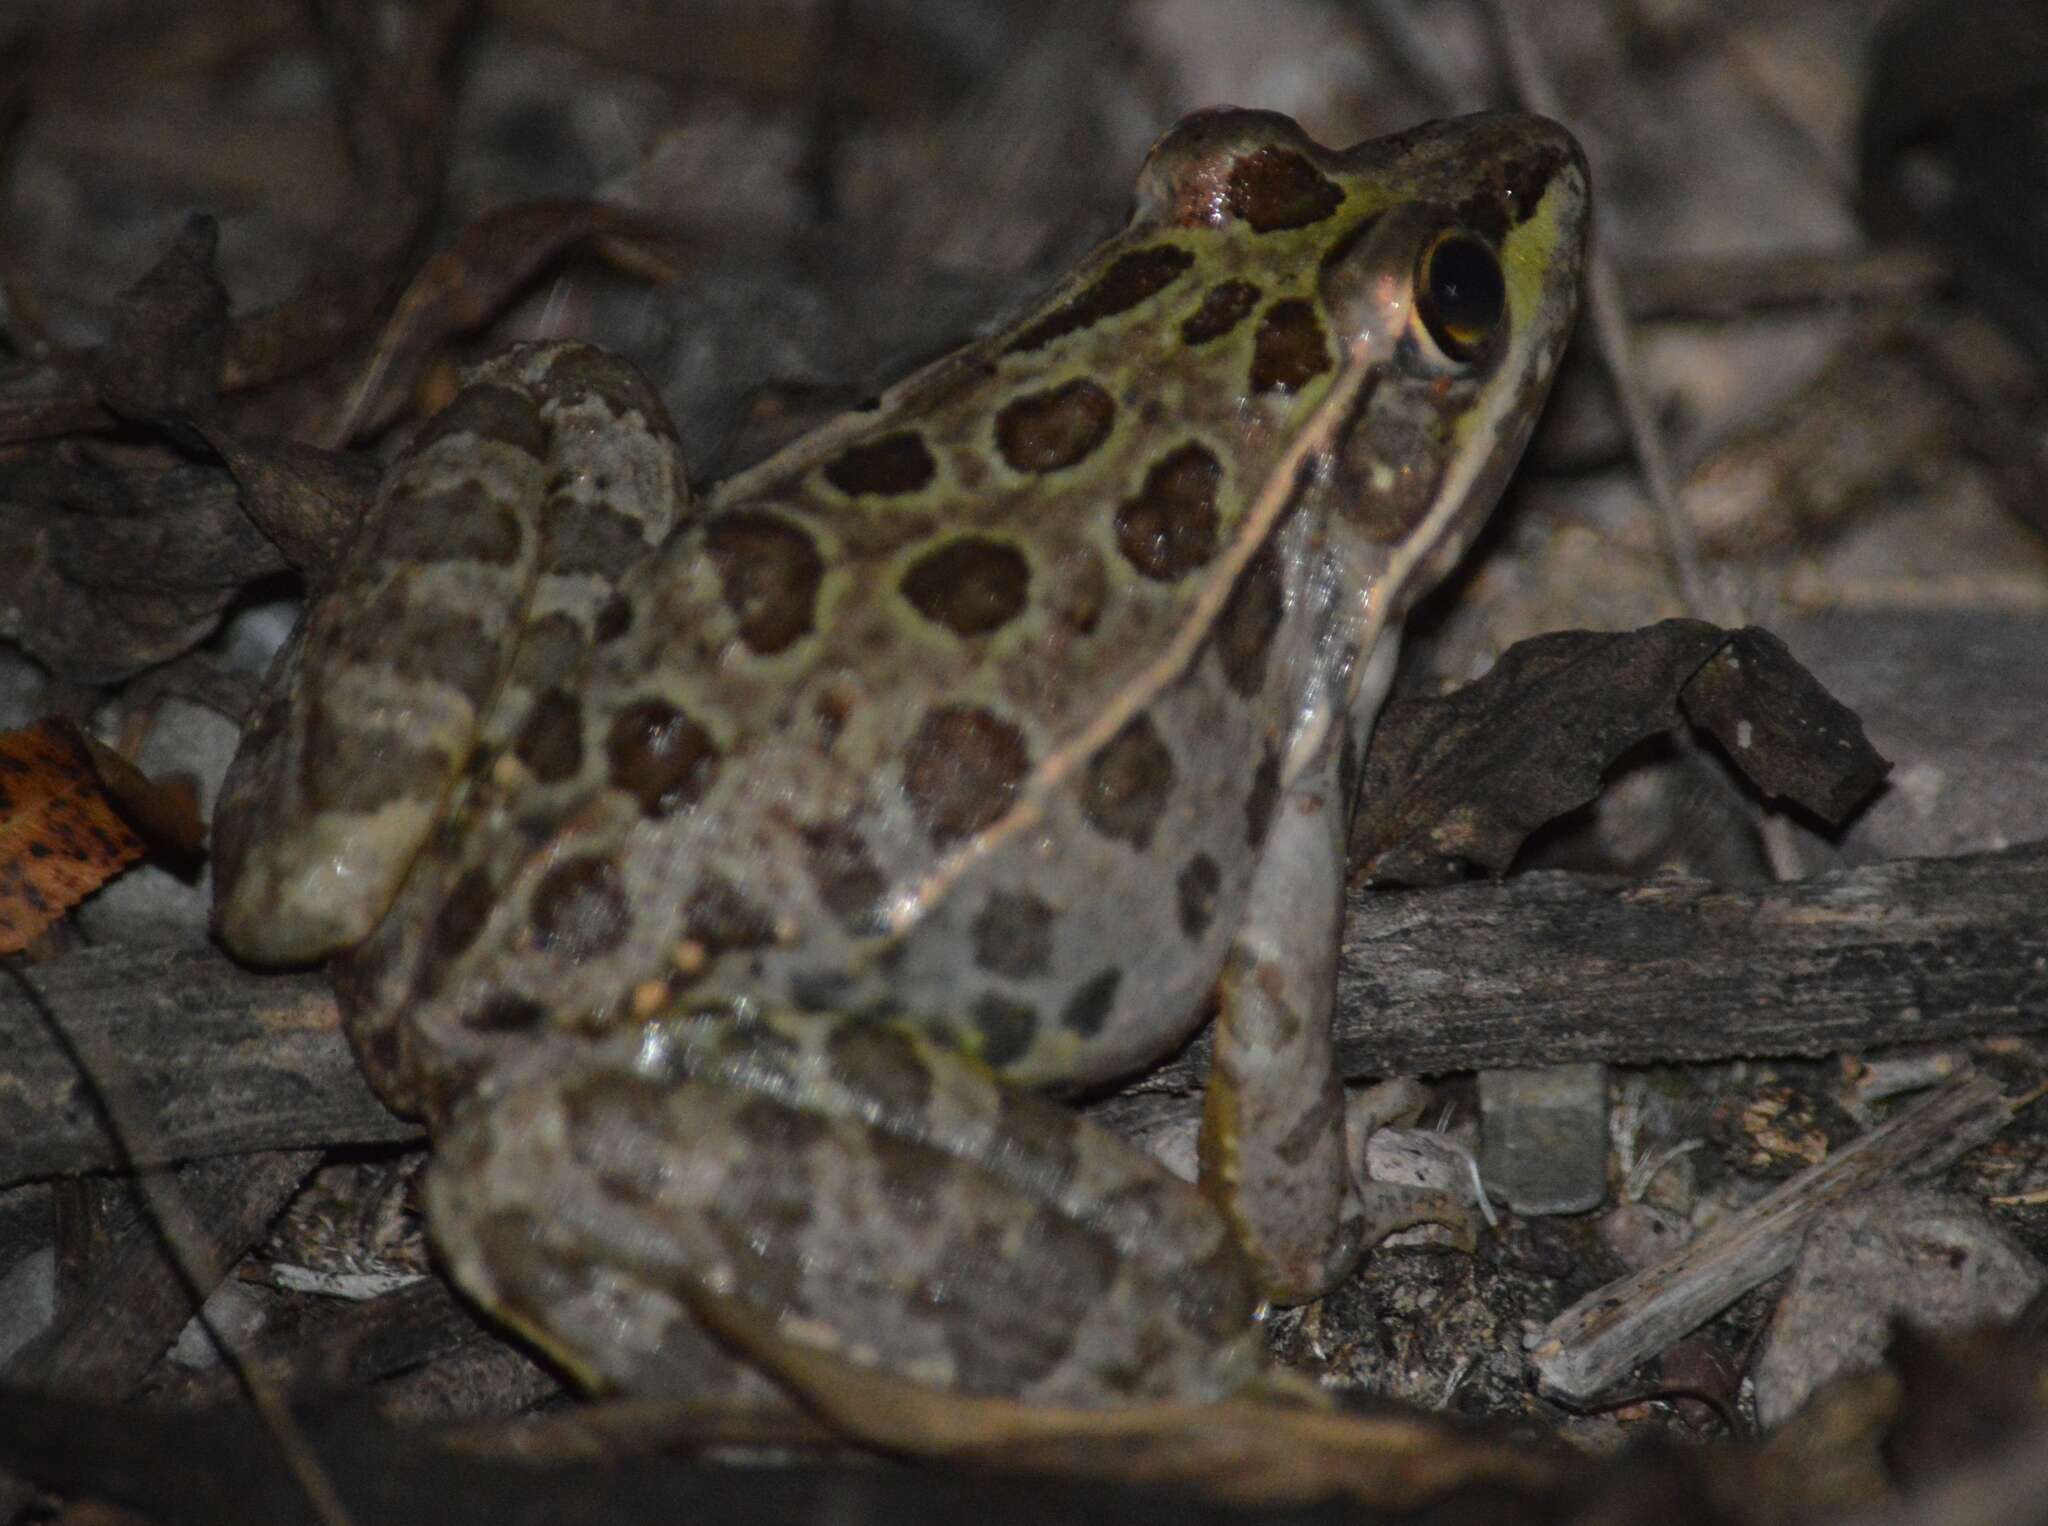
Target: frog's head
[1448, 263]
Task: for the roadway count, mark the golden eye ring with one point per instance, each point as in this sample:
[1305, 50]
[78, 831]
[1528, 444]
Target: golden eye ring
[1460, 293]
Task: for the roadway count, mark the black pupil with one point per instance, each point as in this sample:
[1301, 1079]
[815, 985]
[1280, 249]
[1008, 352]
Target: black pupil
[1465, 293]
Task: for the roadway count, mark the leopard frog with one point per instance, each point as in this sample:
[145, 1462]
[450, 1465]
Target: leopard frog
[727, 880]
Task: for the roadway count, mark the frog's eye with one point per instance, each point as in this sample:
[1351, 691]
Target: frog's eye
[1460, 293]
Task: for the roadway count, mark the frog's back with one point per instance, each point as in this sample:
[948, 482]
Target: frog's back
[973, 706]
[825, 699]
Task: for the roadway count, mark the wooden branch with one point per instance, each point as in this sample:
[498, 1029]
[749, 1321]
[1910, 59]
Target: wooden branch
[1537, 970]
[221, 1060]
[1607, 1332]
[1549, 968]
[1545, 969]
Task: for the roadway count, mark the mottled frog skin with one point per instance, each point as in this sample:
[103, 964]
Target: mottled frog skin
[720, 877]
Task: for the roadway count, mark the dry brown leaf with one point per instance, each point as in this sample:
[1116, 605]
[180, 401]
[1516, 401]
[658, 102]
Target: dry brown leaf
[60, 837]
[165, 810]
[1461, 780]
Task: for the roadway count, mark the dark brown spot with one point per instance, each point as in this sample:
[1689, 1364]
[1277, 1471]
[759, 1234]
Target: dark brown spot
[1317, 1121]
[1527, 176]
[1089, 1007]
[1485, 214]
[506, 1014]
[848, 881]
[1277, 188]
[770, 571]
[1263, 797]
[580, 371]
[660, 756]
[463, 913]
[825, 990]
[1042, 1139]
[758, 1049]
[1289, 349]
[1196, 888]
[1013, 935]
[1016, 1314]
[1169, 529]
[1390, 476]
[586, 537]
[760, 1246]
[896, 463]
[914, 1189]
[1216, 1297]
[551, 741]
[1128, 784]
[614, 618]
[882, 1066]
[962, 769]
[832, 710]
[1248, 622]
[1223, 308]
[774, 1127]
[579, 909]
[551, 652]
[1046, 431]
[347, 769]
[1135, 276]
[720, 916]
[915, 1178]
[381, 1054]
[1006, 1027]
[462, 523]
[429, 644]
[493, 412]
[971, 585]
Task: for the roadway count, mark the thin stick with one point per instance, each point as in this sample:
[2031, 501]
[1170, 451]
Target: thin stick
[1608, 319]
[1607, 1332]
[105, 1082]
[1736, 285]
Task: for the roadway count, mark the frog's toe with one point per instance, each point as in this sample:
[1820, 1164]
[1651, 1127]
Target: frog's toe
[834, 1196]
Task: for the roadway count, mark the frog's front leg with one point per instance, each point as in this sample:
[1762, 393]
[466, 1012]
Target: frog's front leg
[848, 1203]
[1277, 1154]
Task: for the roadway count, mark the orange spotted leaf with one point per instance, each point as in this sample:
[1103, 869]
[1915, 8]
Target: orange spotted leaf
[60, 838]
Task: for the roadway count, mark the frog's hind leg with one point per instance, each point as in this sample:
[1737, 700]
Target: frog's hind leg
[614, 489]
[365, 721]
[846, 1202]
[1277, 1153]
[470, 597]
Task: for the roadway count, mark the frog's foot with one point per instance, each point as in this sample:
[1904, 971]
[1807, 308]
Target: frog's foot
[844, 1202]
[1388, 1207]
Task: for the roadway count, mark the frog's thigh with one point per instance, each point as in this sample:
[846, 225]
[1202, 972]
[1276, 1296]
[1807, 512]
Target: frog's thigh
[614, 489]
[1274, 1149]
[834, 1197]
